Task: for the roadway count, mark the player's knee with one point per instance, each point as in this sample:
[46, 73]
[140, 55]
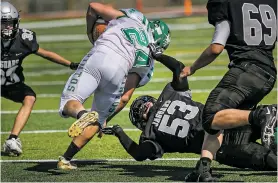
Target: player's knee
[29, 100]
[209, 112]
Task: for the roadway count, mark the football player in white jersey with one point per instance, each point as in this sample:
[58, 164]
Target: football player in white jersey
[103, 71]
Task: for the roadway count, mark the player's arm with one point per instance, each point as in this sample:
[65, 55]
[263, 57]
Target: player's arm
[54, 57]
[221, 34]
[139, 152]
[178, 83]
[97, 9]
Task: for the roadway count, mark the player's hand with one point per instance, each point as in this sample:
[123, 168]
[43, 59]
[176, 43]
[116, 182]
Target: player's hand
[187, 71]
[155, 50]
[74, 66]
[114, 130]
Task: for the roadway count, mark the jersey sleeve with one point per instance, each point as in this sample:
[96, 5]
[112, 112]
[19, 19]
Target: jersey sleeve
[158, 150]
[135, 15]
[217, 11]
[30, 40]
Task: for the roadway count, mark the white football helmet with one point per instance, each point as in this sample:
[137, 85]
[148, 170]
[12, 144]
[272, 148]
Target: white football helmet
[9, 21]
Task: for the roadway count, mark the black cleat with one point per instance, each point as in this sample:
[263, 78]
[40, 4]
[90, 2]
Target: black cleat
[202, 173]
[268, 119]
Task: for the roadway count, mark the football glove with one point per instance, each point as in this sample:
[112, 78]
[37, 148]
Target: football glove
[114, 130]
[156, 51]
[74, 66]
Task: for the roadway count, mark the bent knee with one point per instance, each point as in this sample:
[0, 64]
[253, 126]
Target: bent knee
[209, 112]
[29, 100]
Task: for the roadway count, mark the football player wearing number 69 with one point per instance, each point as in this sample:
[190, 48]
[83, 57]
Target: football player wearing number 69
[16, 44]
[104, 69]
[247, 29]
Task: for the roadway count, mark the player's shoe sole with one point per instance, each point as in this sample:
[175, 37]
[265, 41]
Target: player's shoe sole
[79, 125]
[269, 128]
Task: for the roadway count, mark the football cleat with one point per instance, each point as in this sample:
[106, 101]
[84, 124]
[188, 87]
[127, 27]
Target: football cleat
[79, 125]
[269, 126]
[202, 173]
[64, 164]
[12, 147]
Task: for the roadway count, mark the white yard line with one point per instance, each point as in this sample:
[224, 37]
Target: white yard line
[154, 80]
[94, 160]
[60, 131]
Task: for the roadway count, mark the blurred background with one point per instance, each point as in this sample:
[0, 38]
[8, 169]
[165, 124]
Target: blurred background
[77, 8]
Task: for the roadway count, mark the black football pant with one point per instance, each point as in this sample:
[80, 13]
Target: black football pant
[17, 92]
[242, 87]
[240, 149]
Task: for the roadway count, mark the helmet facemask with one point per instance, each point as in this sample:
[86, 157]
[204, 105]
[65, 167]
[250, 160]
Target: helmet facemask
[9, 21]
[9, 28]
[139, 108]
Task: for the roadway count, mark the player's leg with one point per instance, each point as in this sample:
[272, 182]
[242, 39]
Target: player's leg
[238, 86]
[132, 82]
[239, 149]
[112, 76]
[137, 77]
[25, 95]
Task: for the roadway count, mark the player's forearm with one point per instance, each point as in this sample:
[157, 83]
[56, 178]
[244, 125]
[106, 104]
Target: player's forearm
[170, 62]
[54, 57]
[130, 146]
[105, 11]
[205, 59]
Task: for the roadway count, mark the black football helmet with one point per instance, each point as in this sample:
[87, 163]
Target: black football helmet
[137, 109]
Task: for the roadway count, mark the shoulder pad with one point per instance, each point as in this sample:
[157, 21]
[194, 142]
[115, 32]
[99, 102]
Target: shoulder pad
[134, 14]
[217, 11]
[29, 39]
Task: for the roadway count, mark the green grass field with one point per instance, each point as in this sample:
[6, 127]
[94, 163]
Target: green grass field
[107, 161]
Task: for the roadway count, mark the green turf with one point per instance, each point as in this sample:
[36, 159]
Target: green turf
[185, 46]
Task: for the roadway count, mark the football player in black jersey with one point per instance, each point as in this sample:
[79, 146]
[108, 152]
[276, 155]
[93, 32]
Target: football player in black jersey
[248, 31]
[173, 123]
[16, 44]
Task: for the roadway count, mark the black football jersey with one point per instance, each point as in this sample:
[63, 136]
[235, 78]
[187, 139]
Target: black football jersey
[174, 121]
[13, 53]
[253, 28]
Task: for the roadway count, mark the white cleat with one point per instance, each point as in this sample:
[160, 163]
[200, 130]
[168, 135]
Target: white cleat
[12, 147]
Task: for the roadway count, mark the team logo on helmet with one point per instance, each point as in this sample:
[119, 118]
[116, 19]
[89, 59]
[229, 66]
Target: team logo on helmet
[161, 33]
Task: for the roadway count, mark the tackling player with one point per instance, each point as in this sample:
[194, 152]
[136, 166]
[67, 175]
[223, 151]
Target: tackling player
[103, 70]
[173, 123]
[248, 31]
[16, 44]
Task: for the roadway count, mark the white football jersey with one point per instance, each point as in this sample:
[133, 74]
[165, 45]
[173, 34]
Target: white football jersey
[129, 36]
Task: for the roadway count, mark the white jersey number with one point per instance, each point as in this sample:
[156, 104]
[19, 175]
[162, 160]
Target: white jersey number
[180, 125]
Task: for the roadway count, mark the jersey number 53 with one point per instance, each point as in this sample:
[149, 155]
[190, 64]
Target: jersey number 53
[178, 125]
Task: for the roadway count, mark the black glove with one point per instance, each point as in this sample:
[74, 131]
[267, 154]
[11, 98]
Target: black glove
[156, 51]
[114, 130]
[74, 66]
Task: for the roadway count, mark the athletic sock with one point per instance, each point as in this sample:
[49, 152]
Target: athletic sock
[271, 160]
[13, 136]
[71, 151]
[81, 113]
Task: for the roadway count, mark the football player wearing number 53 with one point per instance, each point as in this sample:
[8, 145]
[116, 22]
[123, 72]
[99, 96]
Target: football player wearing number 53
[103, 71]
[16, 44]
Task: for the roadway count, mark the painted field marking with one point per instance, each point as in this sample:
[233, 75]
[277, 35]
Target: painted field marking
[95, 160]
[61, 131]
